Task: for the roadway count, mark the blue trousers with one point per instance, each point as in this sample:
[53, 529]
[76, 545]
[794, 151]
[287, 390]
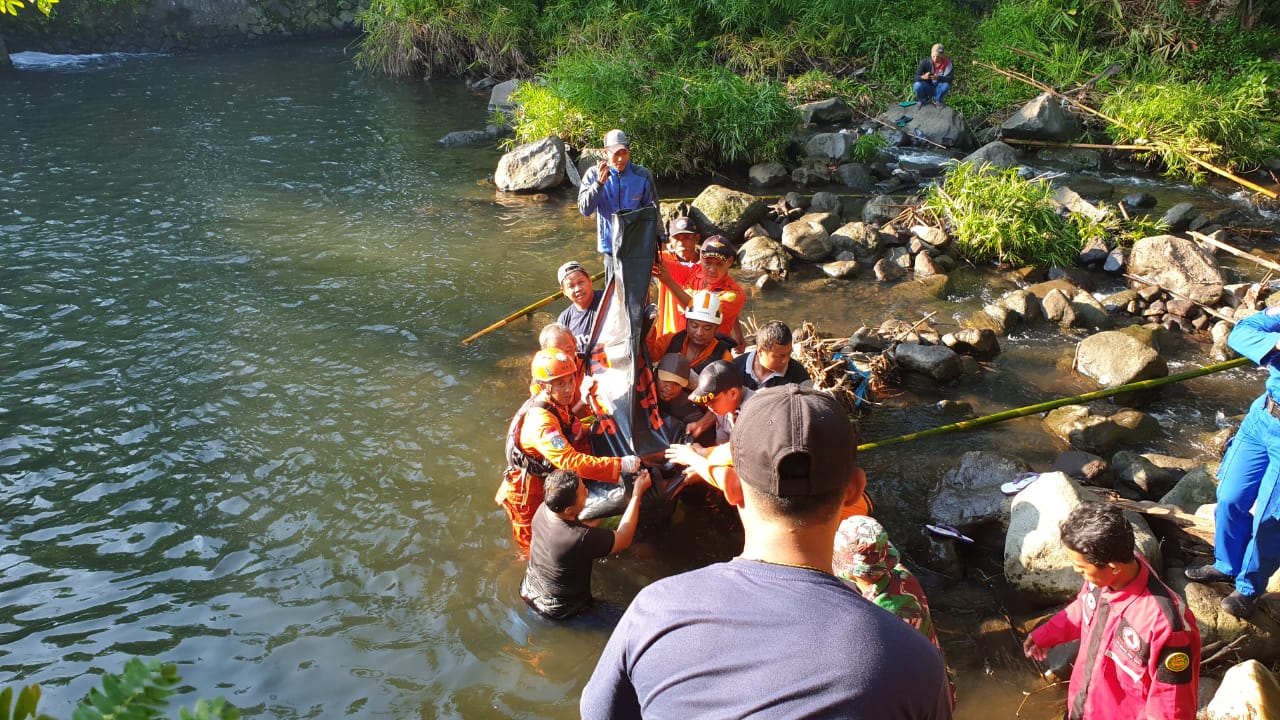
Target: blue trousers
[1247, 546]
[933, 89]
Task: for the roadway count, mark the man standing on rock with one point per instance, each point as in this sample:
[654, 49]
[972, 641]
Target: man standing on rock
[1139, 651]
[933, 77]
[614, 185]
[1246, 543]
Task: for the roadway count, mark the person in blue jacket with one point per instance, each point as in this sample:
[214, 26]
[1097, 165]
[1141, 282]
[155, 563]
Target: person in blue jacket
[614, 185]
[1247, 544]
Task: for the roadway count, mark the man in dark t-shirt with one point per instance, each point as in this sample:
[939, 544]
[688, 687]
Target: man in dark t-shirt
[772, 633]
[584, 302]
[558, 582]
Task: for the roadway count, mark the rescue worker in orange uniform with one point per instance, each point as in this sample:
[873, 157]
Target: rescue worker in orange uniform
[711, 273]
[699, 342]
[539, 440]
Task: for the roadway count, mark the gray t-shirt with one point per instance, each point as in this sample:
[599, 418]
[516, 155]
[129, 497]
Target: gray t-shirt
[750, 639]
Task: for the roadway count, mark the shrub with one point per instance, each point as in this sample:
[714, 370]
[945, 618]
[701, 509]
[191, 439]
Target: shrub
[141, 691]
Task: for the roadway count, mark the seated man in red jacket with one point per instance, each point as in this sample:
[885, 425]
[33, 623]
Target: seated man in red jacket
[1139, 644]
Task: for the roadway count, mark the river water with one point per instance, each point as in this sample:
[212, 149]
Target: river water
[237, 428]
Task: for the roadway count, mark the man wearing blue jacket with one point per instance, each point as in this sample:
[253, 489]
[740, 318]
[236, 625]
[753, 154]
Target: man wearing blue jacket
[614, 185]
[1247, 544]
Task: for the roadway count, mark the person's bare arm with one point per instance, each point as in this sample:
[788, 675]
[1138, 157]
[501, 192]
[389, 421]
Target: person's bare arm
[626, 531]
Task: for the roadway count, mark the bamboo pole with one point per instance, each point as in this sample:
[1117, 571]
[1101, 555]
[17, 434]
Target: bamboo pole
[1089, 146]
[1234, 251]
[1014, 75]
[523, 312]
[1051, 404]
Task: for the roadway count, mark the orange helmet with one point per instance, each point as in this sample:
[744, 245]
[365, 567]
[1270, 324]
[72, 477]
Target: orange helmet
[551, 364]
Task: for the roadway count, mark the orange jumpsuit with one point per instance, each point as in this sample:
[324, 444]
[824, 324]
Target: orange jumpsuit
[720, 348]
[543, 433]
[689, 277]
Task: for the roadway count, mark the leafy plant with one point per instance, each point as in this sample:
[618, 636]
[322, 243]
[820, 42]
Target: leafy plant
[140, 692]
[866, 147]
[11, 7]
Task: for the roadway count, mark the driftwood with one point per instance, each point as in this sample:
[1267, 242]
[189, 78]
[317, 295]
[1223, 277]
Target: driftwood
[1235, 251]
[1193, 525]
[1014, 75]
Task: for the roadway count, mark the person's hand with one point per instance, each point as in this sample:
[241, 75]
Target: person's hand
[643, 481]
[684, 454]
[702, 424]
[602, 172]
[630, 463]
[1034, 651]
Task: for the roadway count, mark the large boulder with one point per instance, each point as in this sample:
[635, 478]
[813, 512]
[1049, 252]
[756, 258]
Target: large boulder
[722, 211]
[768, 174]
[994, 153]
[807, 239]
[830, 147]
[1141, 478]
[500, 97]
[969, 494]
[980, 343]
[1035, 561]
[1100, 434]
[864, 240]
[1249, 691]
[827, 112]
[856, 176]
[1260, 631]
[939, 363]
[1198, 487]
[1178, 264]
[1114, 358]
[1043, 118]
[941, 125]
[763, 254]
[881, 209]
[533, 166]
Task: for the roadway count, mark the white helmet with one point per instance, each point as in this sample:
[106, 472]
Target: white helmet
[704, 306]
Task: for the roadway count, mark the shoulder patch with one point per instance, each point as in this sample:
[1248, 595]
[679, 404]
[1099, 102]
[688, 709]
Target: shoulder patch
[1175, 665]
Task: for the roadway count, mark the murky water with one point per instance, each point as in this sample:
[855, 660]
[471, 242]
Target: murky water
[238, 431]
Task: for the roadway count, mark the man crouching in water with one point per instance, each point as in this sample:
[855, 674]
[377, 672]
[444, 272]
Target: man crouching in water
[540, 440]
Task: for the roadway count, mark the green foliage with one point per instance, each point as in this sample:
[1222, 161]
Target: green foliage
[866, 147]
[1227, 122]
[996, 216]
[451, 37]
[681, 120]
[140, 692]
[11, 7]
[817, 84]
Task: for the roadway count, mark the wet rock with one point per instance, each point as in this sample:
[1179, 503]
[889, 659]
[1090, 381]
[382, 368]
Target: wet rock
[900, 257]
[1098, 433]
[1139, 201]
[1261, 631]
[1094, 252]
[1198, 487]
[996, 154]
[980, 343]
[840, 268]
[1248, 690]
[767, 175]
[1117, 302]
[881, 209]
[1085, 468]
[812, 173]
[1112, 358]
[500, 97]
[1024, 303]
[939, 363]
[533, 166]
[886, 270]
[999, 320]
[764, 255]
[1078, 205]
[924, 266]
[827, 112]
[968, 495]
[1071, 158]
[1090, 186]
[722, 211]
[472, 137]
[1043, 118]
[767, 282]
[864, 339]
[934, 286]
[807, 239]
[856, 176]
[1178, 217]
[827, 202]
[1138, 478]
[1035, 561]
[1057, 308]
[862, 239]
[1180, 265]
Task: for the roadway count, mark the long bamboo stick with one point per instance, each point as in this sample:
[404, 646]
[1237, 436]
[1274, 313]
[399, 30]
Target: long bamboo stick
[1090, 146]
[1051, 404]
[524, 311]
[1234, 251]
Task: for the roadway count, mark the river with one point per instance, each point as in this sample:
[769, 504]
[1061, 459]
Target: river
[238, 431]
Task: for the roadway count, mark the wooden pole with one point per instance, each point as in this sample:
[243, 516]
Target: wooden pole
[523, 312]
[1235, 251]
[1051, 404]
[1090, 146]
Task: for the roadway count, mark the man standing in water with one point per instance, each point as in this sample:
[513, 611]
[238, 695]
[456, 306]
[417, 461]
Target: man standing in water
[614, 185]
[772, 633]
[584, 302]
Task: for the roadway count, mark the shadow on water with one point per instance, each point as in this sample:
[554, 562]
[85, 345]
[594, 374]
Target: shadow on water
[238, 431]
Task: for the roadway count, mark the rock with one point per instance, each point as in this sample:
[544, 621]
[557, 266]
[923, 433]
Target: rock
[862, 239]
[1249, 691]
[1139, 201]
[881, 209]
[856, 176]
[766, 282]
[807, 239]
[811, 173]
[830, 147]
[886, 270]
[924, 266]
[982, 344]
[999, 320]
[720, 210]
[1180, 265]
[936, 238]
[1198, 487]
[941, 125]
[1057, 308]
[840, 268]
[1114, 358]
[1179, 217]
[768, 174]
[1138, 478]
[1099, 434]
[1024, 303]
[1042, 119]
[864, 339]
[901, 257]
[1071, 158]
[532, 166]
[764, 255]
[996, 154]
[938, 363]
[827, 203]
[1085, 468]
[1035, 560]
[1261, 632]
[968, 495]
[500, 97]
[1117, 302]
[470, 137]
[1115, 262]
[828, 112]
[1078, 205]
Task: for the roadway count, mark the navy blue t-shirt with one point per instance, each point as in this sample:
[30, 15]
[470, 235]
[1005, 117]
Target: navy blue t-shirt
[579, 321]
[750, 639]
